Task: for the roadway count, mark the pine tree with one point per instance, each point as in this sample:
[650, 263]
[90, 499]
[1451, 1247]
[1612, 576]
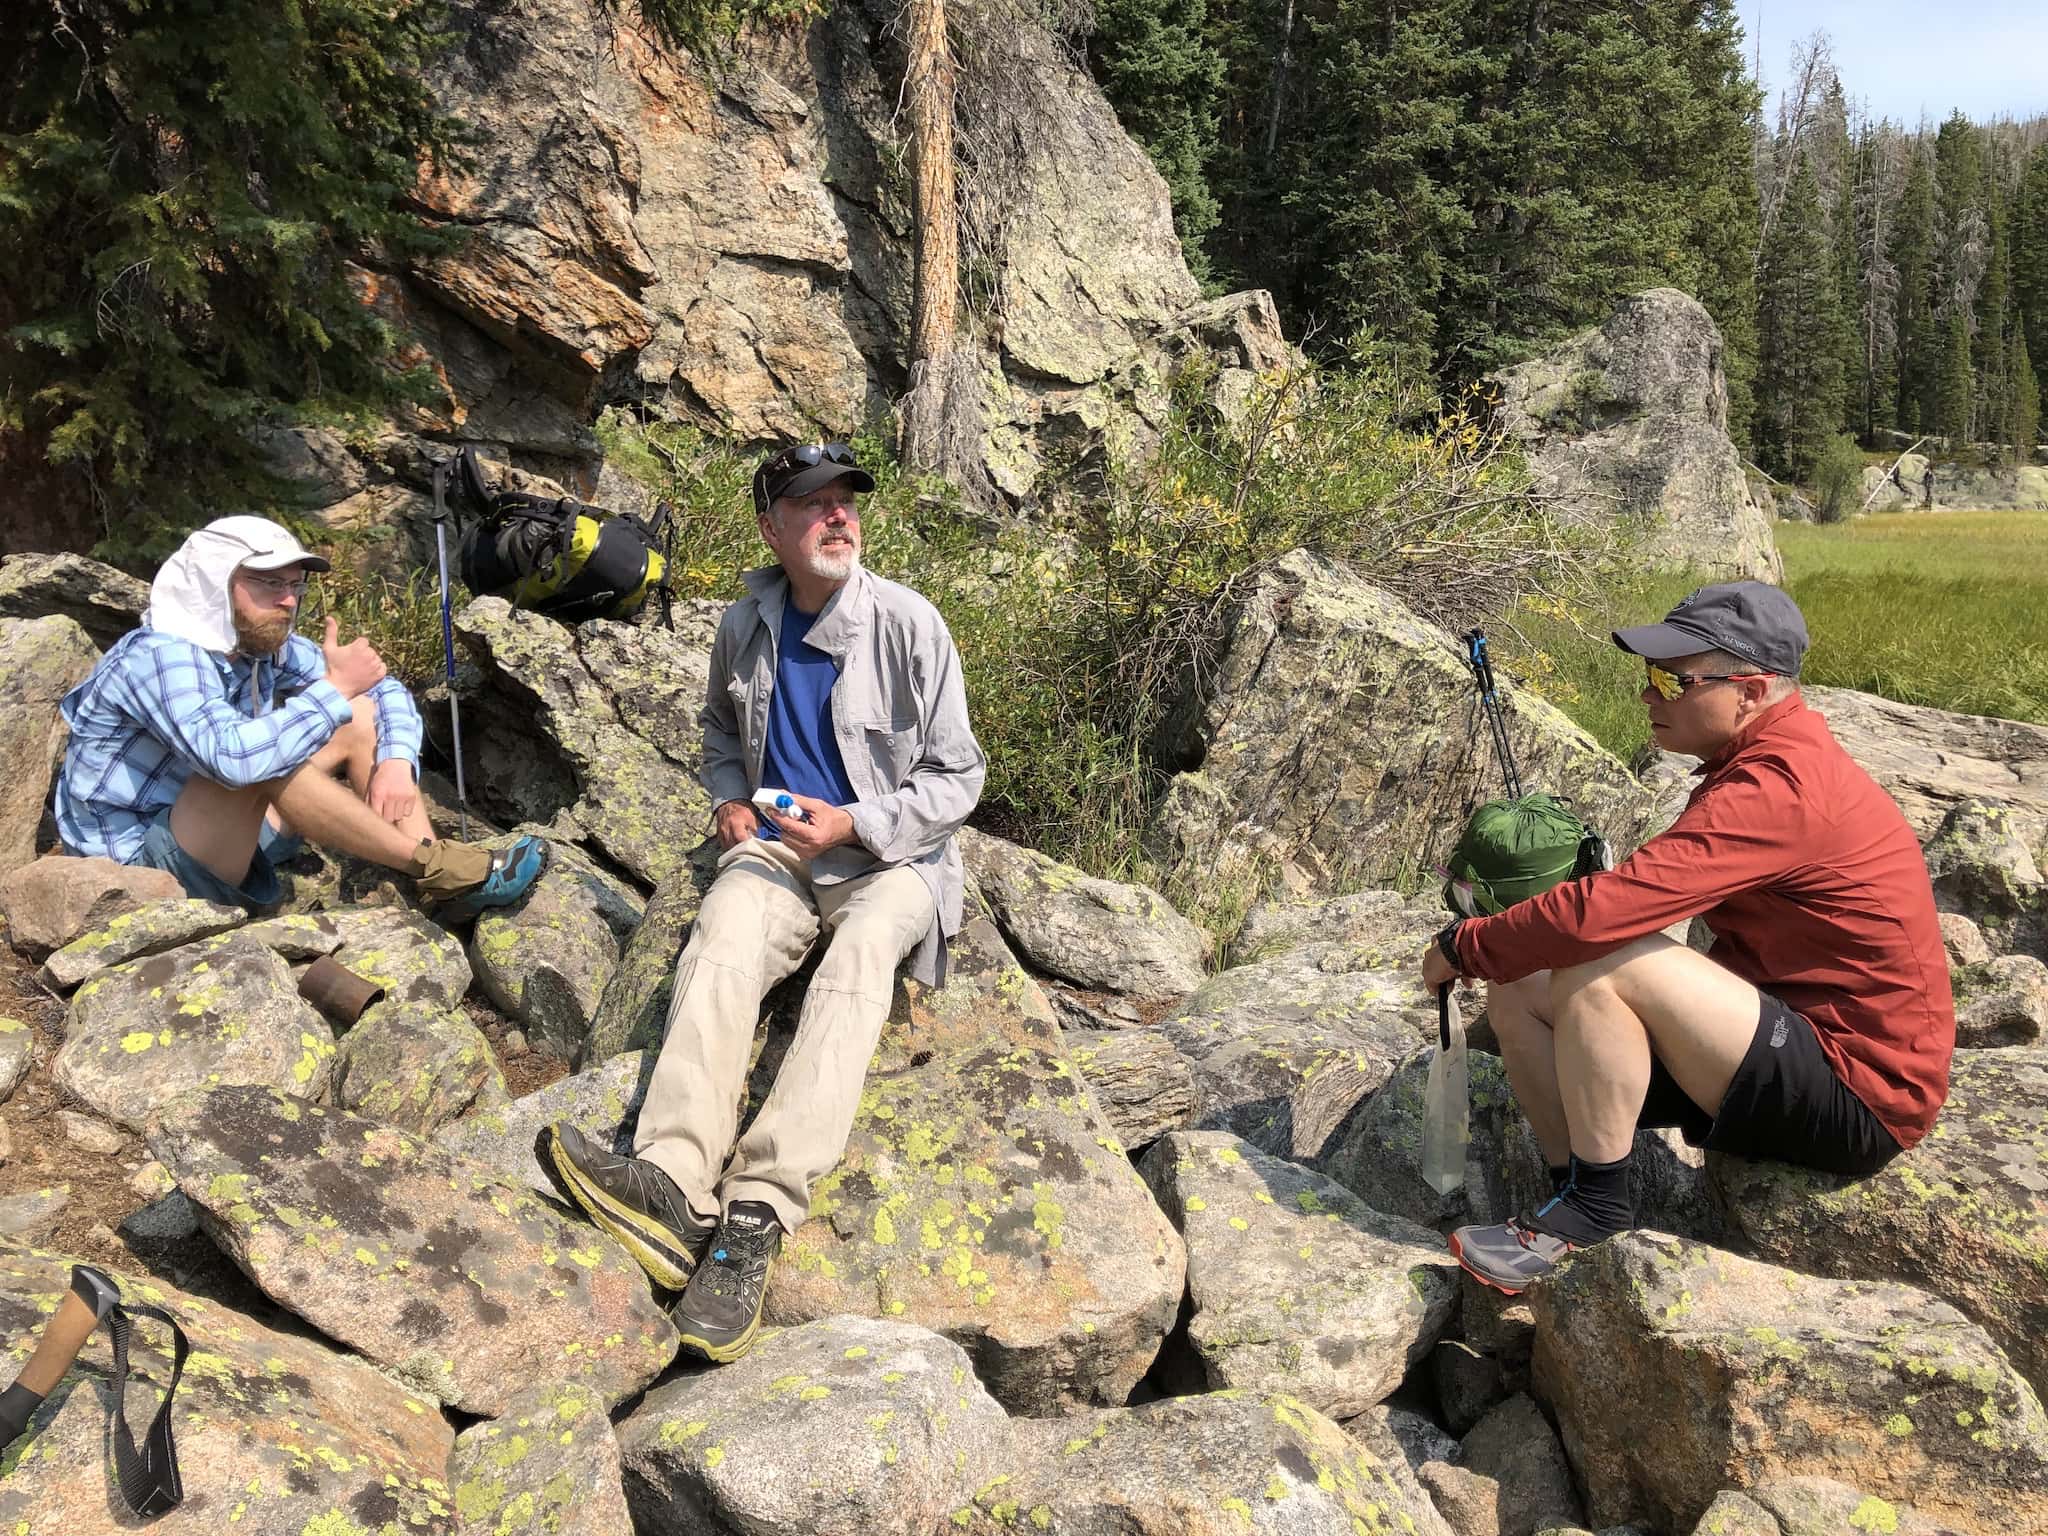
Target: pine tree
[1919, 347]
[1952, 398]
[2023, 400]
[1157, 66]
[183, 189]
[1799, 362]
[2030, 252]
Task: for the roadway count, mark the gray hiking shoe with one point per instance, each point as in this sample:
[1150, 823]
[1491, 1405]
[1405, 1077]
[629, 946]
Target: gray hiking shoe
[1509, 1255]
[631, 1199]
[718, 1316]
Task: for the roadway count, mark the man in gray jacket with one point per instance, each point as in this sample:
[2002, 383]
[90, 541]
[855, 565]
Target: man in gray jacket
[840, 761]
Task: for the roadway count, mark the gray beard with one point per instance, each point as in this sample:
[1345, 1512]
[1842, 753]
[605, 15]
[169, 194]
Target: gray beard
[834, 567]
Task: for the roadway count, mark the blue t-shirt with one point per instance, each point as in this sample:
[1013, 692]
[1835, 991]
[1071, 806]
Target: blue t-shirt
[802, 754]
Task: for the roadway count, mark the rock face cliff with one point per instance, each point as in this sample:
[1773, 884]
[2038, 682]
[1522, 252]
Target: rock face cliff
[733, 243]
[1629, 421]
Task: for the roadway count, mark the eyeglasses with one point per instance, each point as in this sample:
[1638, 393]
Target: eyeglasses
[1673, 685]
[274, 586]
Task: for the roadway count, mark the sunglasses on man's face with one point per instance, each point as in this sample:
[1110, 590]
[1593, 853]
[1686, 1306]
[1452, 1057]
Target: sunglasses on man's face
[1674, 685]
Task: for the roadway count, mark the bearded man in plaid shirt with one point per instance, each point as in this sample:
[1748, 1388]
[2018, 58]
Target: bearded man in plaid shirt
[212, 740]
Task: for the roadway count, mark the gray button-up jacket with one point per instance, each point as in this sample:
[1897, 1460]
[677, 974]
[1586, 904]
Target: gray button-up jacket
[899, 714]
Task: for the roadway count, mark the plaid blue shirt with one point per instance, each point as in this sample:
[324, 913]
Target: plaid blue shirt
[158, 709]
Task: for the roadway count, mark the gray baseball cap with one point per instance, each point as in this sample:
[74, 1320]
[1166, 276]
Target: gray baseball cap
[1750, 619]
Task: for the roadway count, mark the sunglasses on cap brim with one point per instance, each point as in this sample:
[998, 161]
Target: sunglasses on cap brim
[1674, 685]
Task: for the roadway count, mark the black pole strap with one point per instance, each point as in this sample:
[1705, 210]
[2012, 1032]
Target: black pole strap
[149, 1478]
[1443, 1016]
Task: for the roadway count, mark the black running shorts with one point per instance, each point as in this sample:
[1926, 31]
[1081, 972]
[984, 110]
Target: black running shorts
[1785, 1104]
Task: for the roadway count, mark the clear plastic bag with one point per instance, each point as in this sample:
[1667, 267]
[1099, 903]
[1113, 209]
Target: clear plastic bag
[1446, 1101]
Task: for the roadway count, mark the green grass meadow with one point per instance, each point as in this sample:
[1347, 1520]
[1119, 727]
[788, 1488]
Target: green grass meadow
[1948, 609]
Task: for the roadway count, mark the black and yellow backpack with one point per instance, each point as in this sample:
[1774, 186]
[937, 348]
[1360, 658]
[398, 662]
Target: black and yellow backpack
[557, 556]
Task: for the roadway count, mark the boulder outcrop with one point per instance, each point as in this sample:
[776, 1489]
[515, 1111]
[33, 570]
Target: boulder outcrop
[1677, 1370]
[1337, 742]
[40, 661]
[1628, 423]
[278, 1434]
[472, 1291]
[983, 1196]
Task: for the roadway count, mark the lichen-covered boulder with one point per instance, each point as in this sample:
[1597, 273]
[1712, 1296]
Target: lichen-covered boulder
[982, 1196]
[412, 1065]
[1813, 1506]
[603, 1102]
[278, 1435]
[1626, 423]
[2003, 1001]
[1677, 1370]
[224, 1010]
[1395, 926]
[634, 1009]
[41, 660]
[104, 602]
[149, 929]
[545, 962]
[297, 935]
[411, 957]
[1283, 1049]
[547, 1466]
[1339, 745]
[1220, 1464]
[599, 721]
[1981, 866]
[52, 901]
[1140, 1082]
[1296, 1284]
[848, 1426]
[1097, 933]
[1932, 760]
[1964, 1214]
[467, 1288]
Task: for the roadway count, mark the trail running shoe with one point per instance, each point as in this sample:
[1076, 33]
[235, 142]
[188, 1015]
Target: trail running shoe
[720, 1311]
[512, 873]
[1509, 1255]
[631, 1199]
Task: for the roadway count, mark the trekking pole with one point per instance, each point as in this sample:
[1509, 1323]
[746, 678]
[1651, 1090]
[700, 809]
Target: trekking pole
[1489, 698]
[448, 641]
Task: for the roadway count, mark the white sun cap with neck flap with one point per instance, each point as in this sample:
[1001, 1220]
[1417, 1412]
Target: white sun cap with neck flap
[189, 597]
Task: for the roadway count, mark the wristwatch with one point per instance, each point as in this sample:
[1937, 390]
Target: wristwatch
[1447, 944]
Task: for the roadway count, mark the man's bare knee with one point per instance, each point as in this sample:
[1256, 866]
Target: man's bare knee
[1516, 1008]
[1608, 972]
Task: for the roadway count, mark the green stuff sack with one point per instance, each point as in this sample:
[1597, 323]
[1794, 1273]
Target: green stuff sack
[1514, 849]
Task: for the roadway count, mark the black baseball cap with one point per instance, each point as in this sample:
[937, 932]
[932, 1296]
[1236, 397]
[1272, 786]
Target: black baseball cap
[803, 468]
[1750, 619]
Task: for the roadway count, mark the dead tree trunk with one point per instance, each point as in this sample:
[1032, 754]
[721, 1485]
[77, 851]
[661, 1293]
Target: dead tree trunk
[929, 440]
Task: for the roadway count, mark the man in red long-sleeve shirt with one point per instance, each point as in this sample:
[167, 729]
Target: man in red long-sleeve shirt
[1818, 1030]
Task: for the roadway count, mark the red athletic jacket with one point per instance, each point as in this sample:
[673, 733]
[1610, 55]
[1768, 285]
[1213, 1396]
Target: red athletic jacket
[1816, 890]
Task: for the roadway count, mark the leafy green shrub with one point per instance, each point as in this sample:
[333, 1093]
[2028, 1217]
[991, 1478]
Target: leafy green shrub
[1837, 479]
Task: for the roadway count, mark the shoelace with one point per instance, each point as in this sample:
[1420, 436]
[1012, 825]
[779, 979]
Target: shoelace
[738, 1261]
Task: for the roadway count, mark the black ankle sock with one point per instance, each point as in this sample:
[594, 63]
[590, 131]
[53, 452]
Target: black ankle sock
[1560, 1175]
[1593, 1205]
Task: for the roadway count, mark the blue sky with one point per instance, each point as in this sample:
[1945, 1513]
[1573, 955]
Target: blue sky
[1988, 57]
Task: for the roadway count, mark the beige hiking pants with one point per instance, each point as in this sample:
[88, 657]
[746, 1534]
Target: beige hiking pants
[758, 921]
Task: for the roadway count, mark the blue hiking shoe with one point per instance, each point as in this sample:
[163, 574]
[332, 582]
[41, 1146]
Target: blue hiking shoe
[510, 876]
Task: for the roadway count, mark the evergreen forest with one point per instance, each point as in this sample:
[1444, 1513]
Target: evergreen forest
[1461, 181]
